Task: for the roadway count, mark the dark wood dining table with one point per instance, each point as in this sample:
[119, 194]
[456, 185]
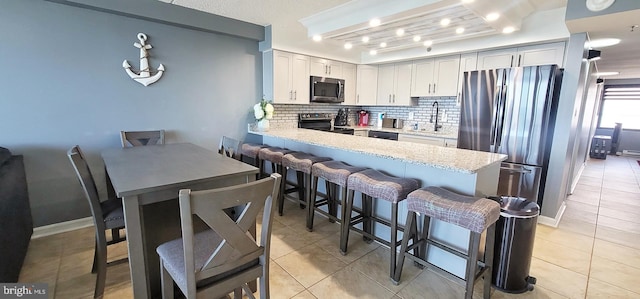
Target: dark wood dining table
[148, 179]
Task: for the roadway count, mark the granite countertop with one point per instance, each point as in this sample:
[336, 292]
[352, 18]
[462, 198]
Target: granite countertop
[450, 133]
[459, 160]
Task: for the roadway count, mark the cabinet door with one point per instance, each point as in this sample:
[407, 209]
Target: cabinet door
[402, 85]
[300, 81]
[446, 76]
[367, 85]
[386, 75]
[450, 142]
[421, 139]
[350, 78]
[422, 78]
[541, 54]
[468, 63]
[282, 65]
[335, 69]
[318, 67]
[496, 59]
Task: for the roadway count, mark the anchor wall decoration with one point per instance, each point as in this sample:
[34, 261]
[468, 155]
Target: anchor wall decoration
[145, 78]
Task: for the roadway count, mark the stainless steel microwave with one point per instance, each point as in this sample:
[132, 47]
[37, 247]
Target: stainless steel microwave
[327, 90]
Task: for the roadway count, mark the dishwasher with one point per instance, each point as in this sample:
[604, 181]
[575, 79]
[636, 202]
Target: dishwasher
[383, 135]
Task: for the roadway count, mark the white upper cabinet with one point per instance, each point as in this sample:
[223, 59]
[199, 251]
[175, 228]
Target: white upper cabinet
[286, 78]
[367, 84]
[435, 77]
[326, 68]
[350, 83]
[542, 54]
[468, 62]
[394, 84]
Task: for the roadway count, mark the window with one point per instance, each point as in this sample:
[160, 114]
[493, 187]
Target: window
[621, 104]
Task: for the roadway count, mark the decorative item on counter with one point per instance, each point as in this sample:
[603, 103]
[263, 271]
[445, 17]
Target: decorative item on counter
[145, 78]
[263, 112]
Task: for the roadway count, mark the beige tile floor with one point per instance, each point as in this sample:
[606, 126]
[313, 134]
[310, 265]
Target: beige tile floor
[594, 253]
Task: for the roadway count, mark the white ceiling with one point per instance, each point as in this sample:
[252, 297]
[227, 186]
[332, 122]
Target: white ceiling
[345, 20]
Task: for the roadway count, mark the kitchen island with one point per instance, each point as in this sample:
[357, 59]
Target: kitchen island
[467, 172]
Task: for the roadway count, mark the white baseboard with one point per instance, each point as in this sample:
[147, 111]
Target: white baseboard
[576, 179]
[56, 228]
[553, 222]
[631, 153]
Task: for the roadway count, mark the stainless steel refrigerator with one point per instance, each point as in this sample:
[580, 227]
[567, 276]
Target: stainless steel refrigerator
[512, 112]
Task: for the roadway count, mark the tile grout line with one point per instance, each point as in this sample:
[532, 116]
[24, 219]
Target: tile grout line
[593, 242]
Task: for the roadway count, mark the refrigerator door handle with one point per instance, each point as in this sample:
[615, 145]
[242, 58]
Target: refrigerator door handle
[521, 170]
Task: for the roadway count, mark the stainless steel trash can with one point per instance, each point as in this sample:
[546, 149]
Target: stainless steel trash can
[515, 233]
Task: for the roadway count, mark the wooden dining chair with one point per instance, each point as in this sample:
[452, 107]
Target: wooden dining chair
[230, 147]
[107, 215]
[141, 138]
[225, 257]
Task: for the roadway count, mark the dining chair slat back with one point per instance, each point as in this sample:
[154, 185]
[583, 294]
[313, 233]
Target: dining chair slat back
[225, 257]
[107, 215]
[141, 138]
[230, 147]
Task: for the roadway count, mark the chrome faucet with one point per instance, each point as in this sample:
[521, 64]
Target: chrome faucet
[436, 126]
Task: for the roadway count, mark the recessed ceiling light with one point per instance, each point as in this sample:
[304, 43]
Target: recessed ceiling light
[416, 38]
[317, 38]
[508, 29]
[601, 74]
[428, 43]
[374, 22]
[400, 32]
[383, 45]
[365, 39]
[602, 42]
[445, 22]
[373, 52]
[348, 46]
[460, 30]
[467, 1]
[492, 16]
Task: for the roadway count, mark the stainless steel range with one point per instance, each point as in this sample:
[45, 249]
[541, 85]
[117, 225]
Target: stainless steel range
[321, 122]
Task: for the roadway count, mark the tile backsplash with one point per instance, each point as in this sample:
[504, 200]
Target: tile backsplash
[287, 115]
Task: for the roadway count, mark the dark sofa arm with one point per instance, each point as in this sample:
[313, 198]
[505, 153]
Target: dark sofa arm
[16, 224]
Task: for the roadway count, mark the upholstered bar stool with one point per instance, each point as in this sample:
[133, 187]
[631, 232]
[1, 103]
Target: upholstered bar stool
[250, 150]
[301, 163]
[374, 184]
[334, 173]
[472, 213]
[273, 155]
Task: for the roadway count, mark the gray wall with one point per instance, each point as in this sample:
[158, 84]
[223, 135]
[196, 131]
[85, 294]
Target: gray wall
[62, 83]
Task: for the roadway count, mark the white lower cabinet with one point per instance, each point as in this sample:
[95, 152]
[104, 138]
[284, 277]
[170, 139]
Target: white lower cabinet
[450, 142]
[421, 139]
[363, 133]
[439, 141]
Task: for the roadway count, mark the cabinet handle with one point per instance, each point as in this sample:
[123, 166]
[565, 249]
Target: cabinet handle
[429, 88]
[511, 63]
[434, 88]
[295, 95]
[329, 70]
[394, 97]
[325, 69]
[519, 60]
[290, 95]
[357, 98]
